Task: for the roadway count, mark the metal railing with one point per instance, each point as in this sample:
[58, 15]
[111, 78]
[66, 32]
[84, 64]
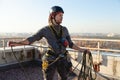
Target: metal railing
[6, 40]
[98, 43]
[98, 48]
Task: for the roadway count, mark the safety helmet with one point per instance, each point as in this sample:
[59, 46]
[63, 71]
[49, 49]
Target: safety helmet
[53, 12]
[55, 9]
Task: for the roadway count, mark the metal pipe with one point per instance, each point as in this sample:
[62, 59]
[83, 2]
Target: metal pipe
[4, 54]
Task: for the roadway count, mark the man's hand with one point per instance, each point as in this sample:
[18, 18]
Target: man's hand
[87, 51]
[24, 42]
[11, 43]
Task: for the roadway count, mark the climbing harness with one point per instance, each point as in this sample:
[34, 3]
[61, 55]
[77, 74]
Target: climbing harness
[62, 41]
[58, 36]
[86, 69]
[45, 63]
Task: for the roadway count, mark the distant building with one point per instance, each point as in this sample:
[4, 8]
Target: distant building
[110, 35]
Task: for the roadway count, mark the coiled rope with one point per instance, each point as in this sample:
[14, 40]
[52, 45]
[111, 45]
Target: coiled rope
[86, 69]
[85, 72]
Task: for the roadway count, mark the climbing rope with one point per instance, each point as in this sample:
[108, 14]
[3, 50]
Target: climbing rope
[19, 62]
[85, 72]
[86, 69]
[23, 69]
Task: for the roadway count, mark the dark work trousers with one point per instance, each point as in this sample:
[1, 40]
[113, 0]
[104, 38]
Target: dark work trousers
[60, 66]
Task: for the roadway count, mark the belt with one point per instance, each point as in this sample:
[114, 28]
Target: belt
[51, 53]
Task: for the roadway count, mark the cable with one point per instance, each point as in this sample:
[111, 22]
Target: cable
[86, 69]
[85, 72]
[26, 75]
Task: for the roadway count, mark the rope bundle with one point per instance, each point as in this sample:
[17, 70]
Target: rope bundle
[86, 69]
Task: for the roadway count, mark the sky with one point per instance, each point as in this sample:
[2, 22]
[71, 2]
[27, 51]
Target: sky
[81, 16]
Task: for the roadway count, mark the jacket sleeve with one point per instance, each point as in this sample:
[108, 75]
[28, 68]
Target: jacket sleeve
[68, 38]
[37, 36]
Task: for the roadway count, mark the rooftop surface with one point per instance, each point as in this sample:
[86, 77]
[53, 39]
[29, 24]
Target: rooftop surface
[31, 72]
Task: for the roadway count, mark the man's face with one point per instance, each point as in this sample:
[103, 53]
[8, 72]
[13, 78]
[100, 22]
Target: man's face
[59, 18]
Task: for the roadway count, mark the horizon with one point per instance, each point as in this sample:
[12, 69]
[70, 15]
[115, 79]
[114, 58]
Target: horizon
[70, 33]
[28, 16]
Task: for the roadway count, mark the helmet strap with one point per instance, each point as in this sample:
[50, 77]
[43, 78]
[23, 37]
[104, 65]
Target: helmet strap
[54, 22]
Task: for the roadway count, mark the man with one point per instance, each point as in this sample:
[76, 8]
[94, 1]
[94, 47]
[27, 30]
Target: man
[58, 39]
